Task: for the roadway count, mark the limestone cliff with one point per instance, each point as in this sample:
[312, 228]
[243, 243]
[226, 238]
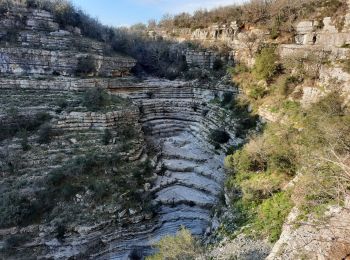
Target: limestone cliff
[94, 162]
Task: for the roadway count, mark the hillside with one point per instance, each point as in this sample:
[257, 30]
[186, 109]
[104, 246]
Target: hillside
[218, 135]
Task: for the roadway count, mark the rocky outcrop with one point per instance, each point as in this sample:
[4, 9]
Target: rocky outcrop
[324, 33]
[204, 59]
[241, 247]
[39, 46]
[243, 43]
[315, 238]
[24, 61]
[224, 33]
[30, 19]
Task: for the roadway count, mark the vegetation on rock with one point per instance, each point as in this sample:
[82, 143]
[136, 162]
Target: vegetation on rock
[310, 142]
[181, 246]
[86, 65]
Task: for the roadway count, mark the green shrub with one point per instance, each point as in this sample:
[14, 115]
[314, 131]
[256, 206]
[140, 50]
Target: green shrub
[24, 140]
[261, 186]
[69, 190]
[237, 69]
[17, 123]
[86, 65]
[128, 132]
[107, 136]
[100, 189]
[218, 64]
[240, 161]
[266, 64]
[95, 99]
[256, 92]
[181, 246]
[227, 99]
[45, 134]
[11, 37]
[283, 162]
[16, 209]
[274, 33]
[287, 85]
[219, 136]
[56, 177]
[62, 104]
[60, 232]
[271, 215]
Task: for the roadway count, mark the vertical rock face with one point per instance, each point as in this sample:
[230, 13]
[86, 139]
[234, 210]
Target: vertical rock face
[204, 59]
[16, 61]
[325, 34]
[306, 32]
[225, 33]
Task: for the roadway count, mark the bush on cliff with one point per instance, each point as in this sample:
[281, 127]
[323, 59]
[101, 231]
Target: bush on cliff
[181, 246]
[16, 123]
[278, 16]
[86, 65]
[271, 215]
[97, 99]
[266, 64]
[318, 150]
[219, 136]
[17, 209]
[45, 134]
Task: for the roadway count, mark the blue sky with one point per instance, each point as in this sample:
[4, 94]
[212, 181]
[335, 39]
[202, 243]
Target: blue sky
[128, 12]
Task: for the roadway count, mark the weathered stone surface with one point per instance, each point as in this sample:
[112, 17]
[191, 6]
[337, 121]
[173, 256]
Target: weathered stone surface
[23, 61]
[201, 59]
[310, 96]
[331, 52]
[59, 40]
[310, 33]
[171, 115]
[31, 19]
[314, 239]
[306, 32]
[224, 33]
[47, 49]
[241, 247]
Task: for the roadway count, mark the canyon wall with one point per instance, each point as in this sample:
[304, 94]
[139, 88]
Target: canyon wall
[109, 181]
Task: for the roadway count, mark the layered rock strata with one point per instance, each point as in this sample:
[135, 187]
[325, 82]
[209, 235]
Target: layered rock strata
[165, 123]
[39, 46]
[189, 176]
